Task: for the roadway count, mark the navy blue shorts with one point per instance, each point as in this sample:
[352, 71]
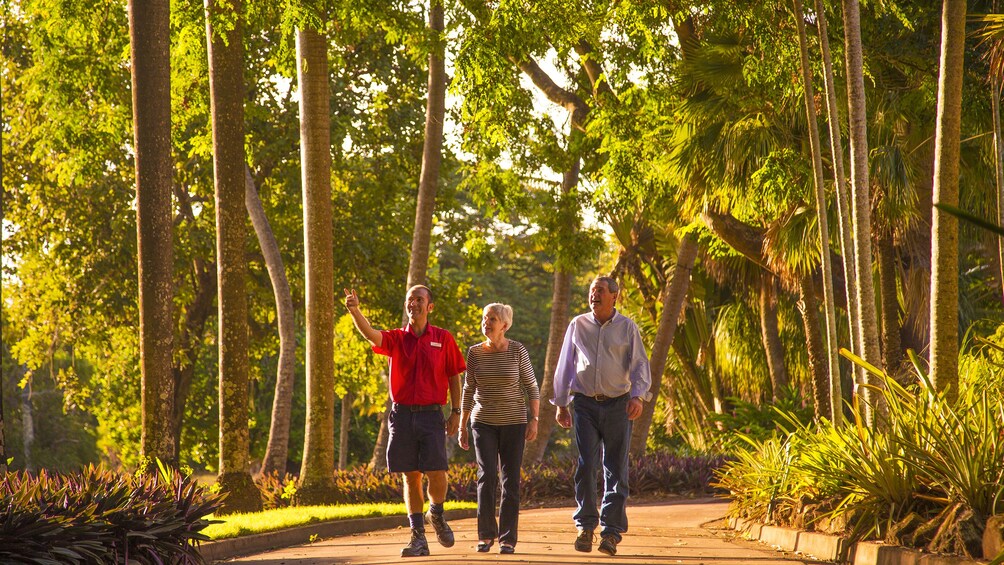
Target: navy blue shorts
[417, 440]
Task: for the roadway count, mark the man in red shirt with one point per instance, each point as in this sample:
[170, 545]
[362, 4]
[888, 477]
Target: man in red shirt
[425, 363]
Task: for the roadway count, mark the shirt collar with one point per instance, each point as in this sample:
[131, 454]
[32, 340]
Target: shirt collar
[597, 322]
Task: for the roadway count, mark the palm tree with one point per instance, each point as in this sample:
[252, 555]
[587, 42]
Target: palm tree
[226, 90]
[829, 309]
[150, 35]
[945, 227]
[318, 465]
[866, 319]
[839, 178]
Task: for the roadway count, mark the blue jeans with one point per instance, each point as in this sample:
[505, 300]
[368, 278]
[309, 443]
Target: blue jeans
[499, 447]
[602, 429]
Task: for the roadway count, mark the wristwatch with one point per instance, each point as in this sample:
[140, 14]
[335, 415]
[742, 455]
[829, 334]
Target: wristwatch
[456, 411]
[536, 418]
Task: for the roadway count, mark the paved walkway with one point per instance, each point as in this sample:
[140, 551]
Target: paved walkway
[663, 533]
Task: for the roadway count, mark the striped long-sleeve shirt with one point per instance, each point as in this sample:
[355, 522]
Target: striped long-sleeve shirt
[498, 383]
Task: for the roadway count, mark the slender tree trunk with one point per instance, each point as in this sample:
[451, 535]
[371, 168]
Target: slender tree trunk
[379, 458]
[428, 185]
[317, 470]
[432, 150]
[867, 320]
[343, 436]
[771, 336]
[282, 405]
[150, 39]
[674, 297]
[829, 307]
[192, 333]
[995, 102]
[28, 429]
[945, 227]
[226, 90]
[839, 178]
[814, 341]
[561, 298]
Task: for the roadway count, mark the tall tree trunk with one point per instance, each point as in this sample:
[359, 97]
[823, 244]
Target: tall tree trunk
[867, 320]
[343, 428]
[150, 39]
[892, 349]
[226, 90]
[771, 336]
[277, 449]
[814, 341]
[28, 428]
[995, 103]
[945, 227]
[829, 308]
[674, 297]
[839, 178]
[317, 484]
[561, 298]
[428, 184]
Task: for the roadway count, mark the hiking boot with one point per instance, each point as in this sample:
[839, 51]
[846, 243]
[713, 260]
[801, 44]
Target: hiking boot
[608, 545]
[417, 546]
[444, 535]
[584, 541]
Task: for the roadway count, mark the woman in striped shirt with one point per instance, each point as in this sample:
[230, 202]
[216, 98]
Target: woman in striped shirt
[499, 387]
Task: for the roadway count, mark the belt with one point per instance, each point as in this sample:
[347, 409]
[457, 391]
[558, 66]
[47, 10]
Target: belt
[599, 397]
[418, 407]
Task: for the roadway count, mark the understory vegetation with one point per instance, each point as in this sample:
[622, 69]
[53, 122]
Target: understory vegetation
[926, 473]
[98, 516]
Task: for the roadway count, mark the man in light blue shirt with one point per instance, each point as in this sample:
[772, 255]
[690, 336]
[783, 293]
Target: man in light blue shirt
[603, 368]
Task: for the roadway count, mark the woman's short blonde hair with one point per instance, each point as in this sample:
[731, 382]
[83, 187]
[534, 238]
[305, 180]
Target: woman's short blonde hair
[503, 311]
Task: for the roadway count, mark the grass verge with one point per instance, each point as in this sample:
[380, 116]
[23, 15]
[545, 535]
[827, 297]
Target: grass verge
[237, 525]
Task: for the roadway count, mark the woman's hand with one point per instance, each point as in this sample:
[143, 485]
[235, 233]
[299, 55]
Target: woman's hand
[462, 435]
[531, 430]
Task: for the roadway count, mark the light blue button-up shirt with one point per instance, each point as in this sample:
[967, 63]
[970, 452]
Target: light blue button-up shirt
[607, 359]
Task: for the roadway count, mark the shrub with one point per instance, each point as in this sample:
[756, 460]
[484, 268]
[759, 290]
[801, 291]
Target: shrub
[651, 474]
[96, 516]
[928, 475]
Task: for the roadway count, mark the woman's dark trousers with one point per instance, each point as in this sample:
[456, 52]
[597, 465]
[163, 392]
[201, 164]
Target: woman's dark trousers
[498, 447]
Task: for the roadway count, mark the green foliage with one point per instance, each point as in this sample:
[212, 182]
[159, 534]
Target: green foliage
[929, 477]
[652, 474]
[100, 517]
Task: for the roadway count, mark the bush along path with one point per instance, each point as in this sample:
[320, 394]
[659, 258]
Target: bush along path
[96, 516]
[930, 476]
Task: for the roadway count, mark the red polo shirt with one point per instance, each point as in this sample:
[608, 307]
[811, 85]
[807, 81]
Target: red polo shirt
[421, 367]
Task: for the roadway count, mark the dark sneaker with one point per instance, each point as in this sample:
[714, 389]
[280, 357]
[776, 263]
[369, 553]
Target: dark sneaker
[506, 549]
[608, 545]
[584, 541]
[443, 532]
[417, 547]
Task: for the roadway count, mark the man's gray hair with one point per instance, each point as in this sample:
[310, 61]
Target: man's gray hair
[611, 283]
[503, 311]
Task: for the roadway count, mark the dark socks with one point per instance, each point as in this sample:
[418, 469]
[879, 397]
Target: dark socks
[435, 508]
[417, 522]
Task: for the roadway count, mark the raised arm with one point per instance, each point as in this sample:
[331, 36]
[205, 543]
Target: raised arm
[362, 324]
